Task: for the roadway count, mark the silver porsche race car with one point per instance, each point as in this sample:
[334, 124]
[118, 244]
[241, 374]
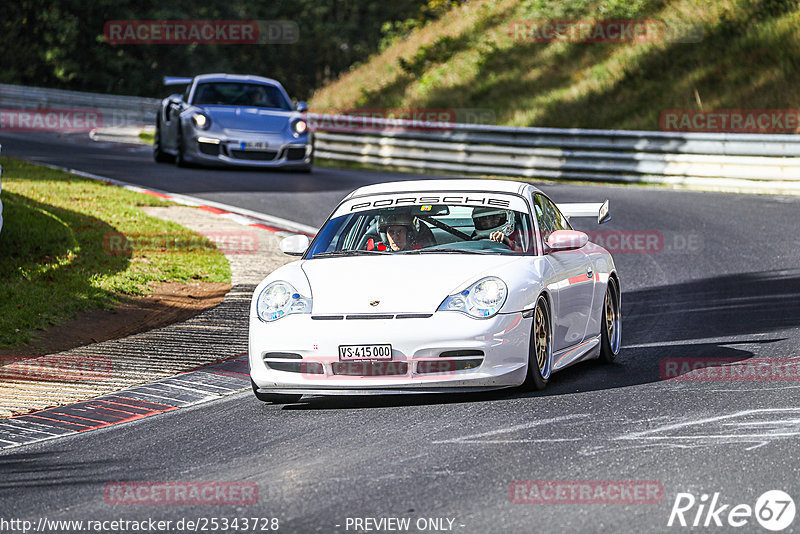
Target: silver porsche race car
[226, 119]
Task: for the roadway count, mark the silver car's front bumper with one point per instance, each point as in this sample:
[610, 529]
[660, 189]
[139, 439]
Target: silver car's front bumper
[230, 149]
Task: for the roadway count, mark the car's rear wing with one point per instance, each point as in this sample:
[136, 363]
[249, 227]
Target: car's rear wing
[177, 80]
[587, 209]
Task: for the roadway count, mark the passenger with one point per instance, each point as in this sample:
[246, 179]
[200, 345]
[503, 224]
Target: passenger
[496, 224]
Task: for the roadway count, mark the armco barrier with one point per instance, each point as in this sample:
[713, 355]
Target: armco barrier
[116, 111]
[711, 161]
[754, 162]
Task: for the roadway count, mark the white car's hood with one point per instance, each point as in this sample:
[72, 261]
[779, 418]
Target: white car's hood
[400, 284]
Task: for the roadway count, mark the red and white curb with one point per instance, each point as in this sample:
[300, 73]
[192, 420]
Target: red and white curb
[202, 385]
[245, 217]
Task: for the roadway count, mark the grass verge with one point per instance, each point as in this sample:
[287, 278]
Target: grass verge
[473, 58]
[71, 244]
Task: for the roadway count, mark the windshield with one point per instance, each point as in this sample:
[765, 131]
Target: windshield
[425, 229]
[240, 94]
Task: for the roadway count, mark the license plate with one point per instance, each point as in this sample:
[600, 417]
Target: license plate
[254, 145]
[365, 352]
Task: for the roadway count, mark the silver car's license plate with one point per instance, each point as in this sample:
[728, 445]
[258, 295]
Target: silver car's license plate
[254, 145]
[365, 352]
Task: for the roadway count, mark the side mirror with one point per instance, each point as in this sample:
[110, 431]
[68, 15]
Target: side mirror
[302, 107]
[294, 245]
[566, 240]
[174, 105]
[603, 214]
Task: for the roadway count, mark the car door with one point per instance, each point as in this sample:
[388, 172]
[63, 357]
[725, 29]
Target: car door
[171, 123]
[572, 281]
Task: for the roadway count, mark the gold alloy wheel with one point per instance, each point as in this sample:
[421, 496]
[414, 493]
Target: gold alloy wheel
[610, 315]
[541, 339]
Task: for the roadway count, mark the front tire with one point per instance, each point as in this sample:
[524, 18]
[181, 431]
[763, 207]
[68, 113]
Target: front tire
[540, 349]
[158, 153]
[274, 398]
[611, 324]
[180, 161]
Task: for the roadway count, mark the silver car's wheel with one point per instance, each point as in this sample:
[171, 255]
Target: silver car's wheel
[179, 159]
[158, 154]
[540, 352]
[611, 320]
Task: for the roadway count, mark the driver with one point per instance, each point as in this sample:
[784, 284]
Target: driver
[257, 97]
[400, 231]
[497, 224]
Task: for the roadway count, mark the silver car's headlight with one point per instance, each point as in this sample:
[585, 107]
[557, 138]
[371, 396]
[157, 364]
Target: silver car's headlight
[299, 127]
[279, 299]
[481, 300]
[201, 121]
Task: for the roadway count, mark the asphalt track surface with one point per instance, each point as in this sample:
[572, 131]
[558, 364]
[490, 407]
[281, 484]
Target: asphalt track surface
[724, 284]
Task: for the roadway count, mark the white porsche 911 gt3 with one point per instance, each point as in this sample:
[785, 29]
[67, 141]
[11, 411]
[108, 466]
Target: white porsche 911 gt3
[435, 286]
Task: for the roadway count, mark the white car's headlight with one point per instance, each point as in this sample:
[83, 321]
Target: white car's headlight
[279, 299]
[201, 121]
[482, 300]
[300, 127]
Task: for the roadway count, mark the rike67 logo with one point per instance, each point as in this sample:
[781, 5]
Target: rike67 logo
[774, 510]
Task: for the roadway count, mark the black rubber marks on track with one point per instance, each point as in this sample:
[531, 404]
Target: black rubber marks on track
[194, 387]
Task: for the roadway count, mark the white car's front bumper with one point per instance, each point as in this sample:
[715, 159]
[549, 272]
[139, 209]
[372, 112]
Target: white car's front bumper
[299, 354]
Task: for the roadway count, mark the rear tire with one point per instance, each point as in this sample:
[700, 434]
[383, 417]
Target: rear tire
[610, 323]
[274, 398]
[158, 154]
[540, 348]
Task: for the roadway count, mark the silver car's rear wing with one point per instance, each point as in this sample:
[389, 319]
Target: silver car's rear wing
[586, 209]
[177, 80]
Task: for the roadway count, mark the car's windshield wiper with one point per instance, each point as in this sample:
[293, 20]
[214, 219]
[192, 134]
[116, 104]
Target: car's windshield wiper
[349, 253]
[448, 251]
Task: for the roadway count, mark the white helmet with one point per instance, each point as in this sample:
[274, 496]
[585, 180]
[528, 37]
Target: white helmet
[490, 219]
